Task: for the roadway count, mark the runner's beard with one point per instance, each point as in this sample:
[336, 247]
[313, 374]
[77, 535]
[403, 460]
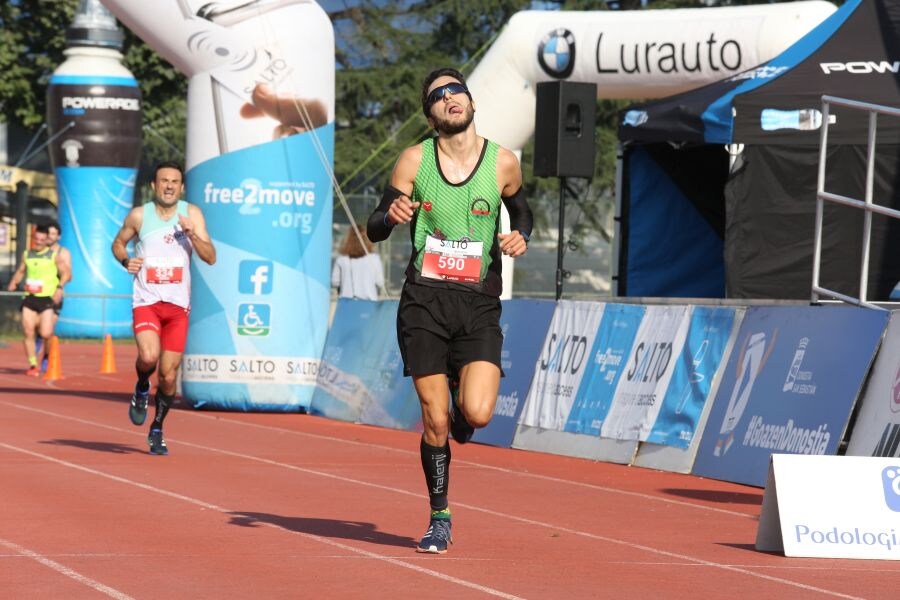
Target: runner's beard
[448, 127]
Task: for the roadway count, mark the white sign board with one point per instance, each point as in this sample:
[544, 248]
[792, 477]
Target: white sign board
[831, 507]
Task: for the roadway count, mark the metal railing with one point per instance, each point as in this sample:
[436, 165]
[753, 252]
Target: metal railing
[866, 204]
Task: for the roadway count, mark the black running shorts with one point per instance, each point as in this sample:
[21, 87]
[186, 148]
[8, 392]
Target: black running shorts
[442, 330]
[38, 303]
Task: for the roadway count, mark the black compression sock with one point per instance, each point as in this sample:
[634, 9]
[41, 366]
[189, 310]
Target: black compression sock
[143, 383]
[436, 464]
[163, 403]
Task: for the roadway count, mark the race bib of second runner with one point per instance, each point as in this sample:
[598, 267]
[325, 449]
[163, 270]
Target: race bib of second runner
[452, 260]
[34, 286]
[164, 269]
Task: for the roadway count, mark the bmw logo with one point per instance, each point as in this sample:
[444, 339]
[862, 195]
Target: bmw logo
[556, 53]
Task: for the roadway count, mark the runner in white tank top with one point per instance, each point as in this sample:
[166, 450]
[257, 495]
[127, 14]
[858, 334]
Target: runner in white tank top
[168, 232]
[166, 250]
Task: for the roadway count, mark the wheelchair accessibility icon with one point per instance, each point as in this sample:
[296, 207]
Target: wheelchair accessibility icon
[254, 319]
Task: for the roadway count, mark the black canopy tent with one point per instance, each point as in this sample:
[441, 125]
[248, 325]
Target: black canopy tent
[696, 221]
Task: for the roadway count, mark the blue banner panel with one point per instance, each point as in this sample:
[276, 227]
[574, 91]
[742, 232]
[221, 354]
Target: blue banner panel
[524, 324]
[709, 332]
[609, 355]
[361, 374]
[788, 388]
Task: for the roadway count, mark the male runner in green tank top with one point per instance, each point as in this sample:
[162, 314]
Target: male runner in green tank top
[449, 189]
[45, 273]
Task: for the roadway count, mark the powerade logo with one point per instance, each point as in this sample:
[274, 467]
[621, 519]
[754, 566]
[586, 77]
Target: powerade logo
[77, 105]
[255, 277]
[861, 67]
[556, 53]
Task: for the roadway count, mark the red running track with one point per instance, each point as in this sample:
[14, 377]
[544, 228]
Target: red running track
[251, 505]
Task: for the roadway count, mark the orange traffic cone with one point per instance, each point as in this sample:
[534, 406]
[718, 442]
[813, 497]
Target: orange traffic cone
[108, 359]
[54, 364]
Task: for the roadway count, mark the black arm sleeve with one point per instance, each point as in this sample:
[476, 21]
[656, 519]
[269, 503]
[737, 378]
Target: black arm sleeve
[377, 228]
[520, 217]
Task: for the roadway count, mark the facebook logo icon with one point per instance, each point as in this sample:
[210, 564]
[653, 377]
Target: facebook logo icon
[255, 277]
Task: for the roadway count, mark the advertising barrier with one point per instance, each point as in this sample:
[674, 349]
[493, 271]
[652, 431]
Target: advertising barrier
[609, 355]
[647, 373]
[688, 390]
[562, 363]
[788, 387]
[523, 323]
[876, 431]
[831, 507]
[360, 377]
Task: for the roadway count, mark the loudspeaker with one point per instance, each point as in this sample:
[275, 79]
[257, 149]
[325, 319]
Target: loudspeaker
[565, 118]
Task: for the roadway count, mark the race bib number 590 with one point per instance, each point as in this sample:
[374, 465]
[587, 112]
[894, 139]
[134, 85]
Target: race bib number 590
[452, 260]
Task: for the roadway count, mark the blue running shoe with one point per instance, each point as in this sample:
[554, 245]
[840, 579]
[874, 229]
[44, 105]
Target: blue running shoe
[44, 362]
[137, 412]
[157, 443]
[460, 430]
[436, 538]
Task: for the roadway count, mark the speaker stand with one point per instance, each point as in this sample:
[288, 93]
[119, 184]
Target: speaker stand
[560, 272]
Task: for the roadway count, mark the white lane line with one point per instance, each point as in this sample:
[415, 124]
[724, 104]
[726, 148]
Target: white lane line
[576, 532]
[231, 513]
[59, 568]
[549, 478]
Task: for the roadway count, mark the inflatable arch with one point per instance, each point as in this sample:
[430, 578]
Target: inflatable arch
[259, 316]
[638, 54]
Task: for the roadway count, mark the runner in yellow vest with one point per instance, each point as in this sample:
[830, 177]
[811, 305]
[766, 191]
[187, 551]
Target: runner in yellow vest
[45, 273]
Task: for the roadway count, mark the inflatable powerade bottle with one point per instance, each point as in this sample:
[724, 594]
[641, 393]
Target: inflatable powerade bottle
[260, 149]
[94, 116]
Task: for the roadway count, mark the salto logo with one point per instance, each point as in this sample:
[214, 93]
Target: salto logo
[890, 479]
[255, 277]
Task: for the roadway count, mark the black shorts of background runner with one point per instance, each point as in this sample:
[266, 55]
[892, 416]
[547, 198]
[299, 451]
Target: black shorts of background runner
[441, 330]
[38, 303]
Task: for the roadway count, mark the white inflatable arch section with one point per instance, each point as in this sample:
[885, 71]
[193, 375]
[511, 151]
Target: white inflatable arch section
[640, 54]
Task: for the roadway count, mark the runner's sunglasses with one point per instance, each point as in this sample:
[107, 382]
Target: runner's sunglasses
[438, 93]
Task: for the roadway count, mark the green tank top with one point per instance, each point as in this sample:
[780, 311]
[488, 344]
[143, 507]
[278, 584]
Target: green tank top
[469, 210]
[41, 274]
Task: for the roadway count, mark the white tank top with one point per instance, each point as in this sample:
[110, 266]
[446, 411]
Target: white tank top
[165, 275]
